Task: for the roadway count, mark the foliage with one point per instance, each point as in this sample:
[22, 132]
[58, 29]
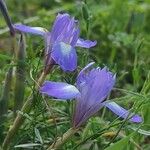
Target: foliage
[122, 30]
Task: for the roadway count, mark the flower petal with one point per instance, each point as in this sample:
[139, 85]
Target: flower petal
[121, 112]
[82, 72]
[65, 29]
[59, 90]
[32, 30]
[94, 86]
[82, 117]
[65, 55]
[59, 26]
[75, 37]
[85, 43]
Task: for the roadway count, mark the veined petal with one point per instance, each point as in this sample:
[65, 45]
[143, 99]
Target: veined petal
[86, 67]
[75, 37]
[59, 27]
[32, 30]
[64, 55]
[85, 43]
[82, 117]
[94, 86]
[82, 72]
[121, 112]
[59, 90]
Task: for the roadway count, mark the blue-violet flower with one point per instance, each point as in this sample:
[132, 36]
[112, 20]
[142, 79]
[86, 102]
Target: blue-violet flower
[92, 88]
[61, 41]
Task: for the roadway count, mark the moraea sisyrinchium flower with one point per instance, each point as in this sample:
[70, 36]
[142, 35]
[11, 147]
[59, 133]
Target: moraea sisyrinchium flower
[92, 88]
[61, 41]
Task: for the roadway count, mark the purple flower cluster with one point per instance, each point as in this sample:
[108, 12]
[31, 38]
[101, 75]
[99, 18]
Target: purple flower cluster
[92, 85]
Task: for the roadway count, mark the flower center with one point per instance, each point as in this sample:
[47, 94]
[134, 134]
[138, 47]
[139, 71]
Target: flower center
[66, 48]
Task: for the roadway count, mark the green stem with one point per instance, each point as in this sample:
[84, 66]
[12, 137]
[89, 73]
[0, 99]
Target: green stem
[66, 136]
[20, 118]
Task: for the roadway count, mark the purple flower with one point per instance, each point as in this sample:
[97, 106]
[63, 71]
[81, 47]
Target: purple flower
[92, 88]
[61, 41]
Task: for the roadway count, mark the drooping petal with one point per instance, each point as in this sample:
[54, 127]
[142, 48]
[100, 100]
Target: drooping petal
[33, 30]
[123, 113]
[59, 90]
[64, 55]
[85, 43]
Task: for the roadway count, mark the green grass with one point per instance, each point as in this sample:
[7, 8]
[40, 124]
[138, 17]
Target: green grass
[122, 30]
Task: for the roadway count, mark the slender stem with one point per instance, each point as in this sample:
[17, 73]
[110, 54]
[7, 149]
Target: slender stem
[4, 11]
[57, 144]
[20, 118]
[41, 78]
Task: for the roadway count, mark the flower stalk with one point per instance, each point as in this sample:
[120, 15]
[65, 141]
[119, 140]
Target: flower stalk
[57, 144]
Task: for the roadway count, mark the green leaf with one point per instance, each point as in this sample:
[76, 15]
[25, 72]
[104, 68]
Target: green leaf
[122, 144]
[37, 133]
[27, 145]
[141, 131]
